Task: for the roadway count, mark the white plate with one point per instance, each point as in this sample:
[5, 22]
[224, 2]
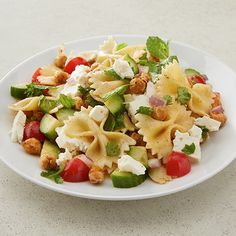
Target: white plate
[217, 153]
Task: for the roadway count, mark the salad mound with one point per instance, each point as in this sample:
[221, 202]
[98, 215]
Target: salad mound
[122, 111]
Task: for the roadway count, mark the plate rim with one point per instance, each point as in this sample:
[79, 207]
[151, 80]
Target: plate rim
[115, 197]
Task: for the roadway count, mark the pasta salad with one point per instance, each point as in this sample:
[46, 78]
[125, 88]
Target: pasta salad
[124, 112]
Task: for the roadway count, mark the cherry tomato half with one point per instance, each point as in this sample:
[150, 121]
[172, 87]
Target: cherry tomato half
[31, 130]
[35, 75]
[70, 66]
[75, 171]
[178, 164]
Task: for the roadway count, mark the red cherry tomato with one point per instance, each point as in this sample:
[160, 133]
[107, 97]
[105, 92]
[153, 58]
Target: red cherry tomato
[178, 164]
[31, 130]
[75, 171]
[70, 66]
[35, 75]
[196, 79]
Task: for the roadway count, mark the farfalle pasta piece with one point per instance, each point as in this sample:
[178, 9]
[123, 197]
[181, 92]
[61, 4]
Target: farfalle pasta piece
[158, 134]
[27, 104]
[109, 45]
[172, 77]
[86, 130]
[103, 84]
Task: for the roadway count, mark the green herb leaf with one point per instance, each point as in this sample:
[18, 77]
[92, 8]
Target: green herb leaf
[112, 149]
[189, 149]
[183, 95]
[145, 110]
[90, 101]
[157, 47]
[54, 175]
[205, 131]
[83, 91]
[120, 46]
[153, 67]
[168, 99]
[35, 90]
[143, 57]
[67, 101]
[112, 73]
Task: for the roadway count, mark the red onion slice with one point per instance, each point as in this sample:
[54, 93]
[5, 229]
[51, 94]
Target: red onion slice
[205, 77]
[218, 109]
[154, 163]
[85, 159]
[156, 102]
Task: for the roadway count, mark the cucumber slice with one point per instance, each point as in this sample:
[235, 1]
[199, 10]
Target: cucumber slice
[50, 149]
[114, 103]
[132, 63]
[139, 153]
[48, 126]
[19, 91]
[64, 113]
[121, 179]
[191, 72]
[47, 104]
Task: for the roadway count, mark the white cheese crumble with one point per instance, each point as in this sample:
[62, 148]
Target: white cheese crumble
[192, 136]
[123, 69]
[128, 164]
[98, 113]
[78, 77]
[63, 156]
[109, 45]
[17, 130]
[72, 144]
[210, 124]
[133, 102]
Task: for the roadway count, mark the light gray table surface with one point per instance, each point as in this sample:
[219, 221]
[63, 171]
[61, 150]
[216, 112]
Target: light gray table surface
[28, 26]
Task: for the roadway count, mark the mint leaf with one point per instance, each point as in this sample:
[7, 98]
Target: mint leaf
[143, 57]
[112, 73]
[145, 110]
[35, 90]
[112, 149]
[54, 175]
[153, 67]
[120, 46]
[168, 99]
[189, 149]
[157, 47]
[67, 101]
[183, 95]
[205, 131]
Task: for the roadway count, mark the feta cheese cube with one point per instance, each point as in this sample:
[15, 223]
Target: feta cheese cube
[123, 69]
[127, 163]
[98, 113]
[210, 124]
[63, 156]
[17, 130]
[192, 136]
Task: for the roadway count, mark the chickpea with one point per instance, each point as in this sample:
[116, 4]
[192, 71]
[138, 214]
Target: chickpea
[221, 117]
[78, 103]
[96, 175]
[61, 77]
[48, 162]
[32, 146]
[138, 138]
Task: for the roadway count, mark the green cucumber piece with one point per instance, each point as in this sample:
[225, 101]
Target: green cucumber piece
[64, 113]
[46, 104]
[121, 179]
[115, 103]
[50, 149]
[48, 126]
[19, 91]
[191, 72]
[139, 153]
[132, 63]
[120, 91]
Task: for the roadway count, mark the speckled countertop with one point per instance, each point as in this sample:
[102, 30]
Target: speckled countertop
[29, 26]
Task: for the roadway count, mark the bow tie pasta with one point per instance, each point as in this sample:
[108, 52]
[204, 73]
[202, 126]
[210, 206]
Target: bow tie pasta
[172, 78]
[95, 138]
[158, 134]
